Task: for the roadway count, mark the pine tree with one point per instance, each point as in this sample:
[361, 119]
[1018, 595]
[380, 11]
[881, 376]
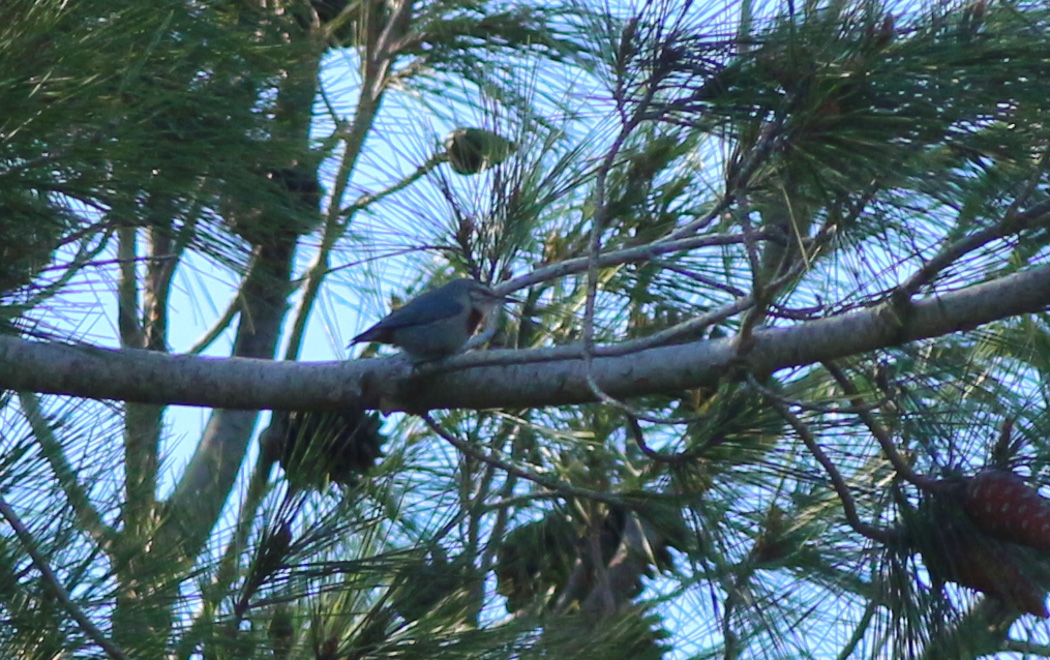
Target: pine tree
[776, 386]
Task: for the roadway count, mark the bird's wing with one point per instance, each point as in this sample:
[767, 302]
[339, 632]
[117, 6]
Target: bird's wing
[427, 308]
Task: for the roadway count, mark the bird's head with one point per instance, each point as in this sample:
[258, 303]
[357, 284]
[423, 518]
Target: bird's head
[484, 298]
[481, 294]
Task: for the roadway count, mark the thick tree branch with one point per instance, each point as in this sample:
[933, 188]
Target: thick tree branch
[201, 493]
[492, 379]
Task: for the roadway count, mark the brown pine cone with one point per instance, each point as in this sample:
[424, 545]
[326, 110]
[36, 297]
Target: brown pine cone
[1003, 506]
[994, 569]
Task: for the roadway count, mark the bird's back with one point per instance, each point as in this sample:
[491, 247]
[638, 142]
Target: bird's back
[425, 310]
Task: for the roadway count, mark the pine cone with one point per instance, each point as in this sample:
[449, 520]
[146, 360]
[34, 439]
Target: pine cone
[317, 447]
[1003, 506]
[956, 548]
[473, 150]
[994, 569]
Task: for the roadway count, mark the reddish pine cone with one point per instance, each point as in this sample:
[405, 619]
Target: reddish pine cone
[1003, 506]
[992, 569]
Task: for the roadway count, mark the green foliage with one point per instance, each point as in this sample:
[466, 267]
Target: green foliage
[30, 230]
[697, 174]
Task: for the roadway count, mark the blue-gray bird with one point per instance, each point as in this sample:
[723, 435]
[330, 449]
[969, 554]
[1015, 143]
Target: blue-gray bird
[437, 323]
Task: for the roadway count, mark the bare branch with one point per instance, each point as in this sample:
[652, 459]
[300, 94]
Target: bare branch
[639, 439]
[499, 378]
[1013, 223]
[882, 436]
[849, 507]
[218, 327]
[631, 255]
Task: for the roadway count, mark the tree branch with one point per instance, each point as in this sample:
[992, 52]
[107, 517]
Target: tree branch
[882, 436]
[499, 378]
[838, 482]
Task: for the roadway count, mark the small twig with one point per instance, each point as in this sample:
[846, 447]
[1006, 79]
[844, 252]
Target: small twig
[386, 255]
[218, 327]
[630, 255]
[1038, 172]
[1012, 224]
[737, 179]
[849, 506]
[51, 581]
[311, 285]
[808, 313]
[1005, 448]
[764, 292]
[371, 198]
[598, 224]
[84, 258]
[882, 436]
[574, 351]
[673, 459]
[814, 407]
[709, 282]
[859, 631]
[516, 501]
[751, 249]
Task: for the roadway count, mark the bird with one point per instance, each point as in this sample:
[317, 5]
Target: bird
[436, 324]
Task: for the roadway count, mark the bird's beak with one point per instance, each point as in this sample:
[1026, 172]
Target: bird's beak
[503, 298]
